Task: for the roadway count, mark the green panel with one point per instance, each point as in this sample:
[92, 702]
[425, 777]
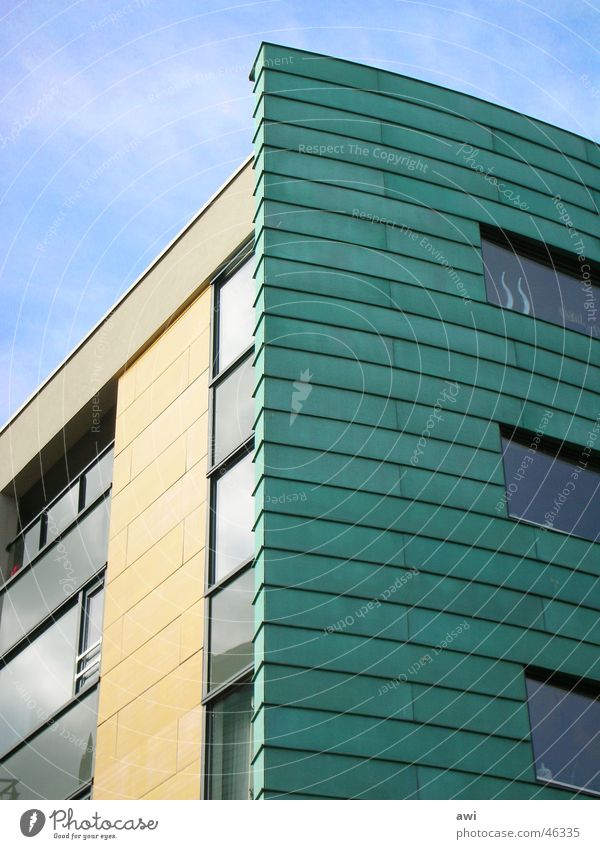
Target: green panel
[397, 603]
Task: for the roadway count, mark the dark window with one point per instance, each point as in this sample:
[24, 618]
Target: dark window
[233, 407]
[231, 629]
[58, 760]
[233, 517]
[229, 742]
[524, 276]
[565, 731]
[558, 488]
[38, 681]
[62, 569]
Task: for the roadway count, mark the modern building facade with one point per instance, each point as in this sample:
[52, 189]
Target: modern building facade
[314, 512]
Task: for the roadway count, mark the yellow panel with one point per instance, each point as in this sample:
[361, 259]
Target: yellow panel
[150, 709]
[175, 420]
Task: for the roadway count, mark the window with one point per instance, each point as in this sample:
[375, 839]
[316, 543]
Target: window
[38, 681]
[233, 410]
[232, 628]
[233, 517]
[235, 316]
[45, 670]
[553, 486]
[57, 760]
[60, 570]
[565, 732]
[88, 660]
[229, 744]
[527, 277]
[230, 590]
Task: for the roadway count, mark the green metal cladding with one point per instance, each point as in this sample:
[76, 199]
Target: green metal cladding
[396, 607]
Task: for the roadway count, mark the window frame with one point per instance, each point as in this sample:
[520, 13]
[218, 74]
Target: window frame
[560, 449]
[571, 684]
[216, 470]
[77, 600]
[556, 260]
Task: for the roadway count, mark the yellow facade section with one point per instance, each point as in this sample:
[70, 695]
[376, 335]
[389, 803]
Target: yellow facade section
[150, 715]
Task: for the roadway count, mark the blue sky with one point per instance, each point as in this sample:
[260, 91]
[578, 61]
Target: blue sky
[120, 118]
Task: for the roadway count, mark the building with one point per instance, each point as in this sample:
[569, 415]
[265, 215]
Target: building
[342, 519]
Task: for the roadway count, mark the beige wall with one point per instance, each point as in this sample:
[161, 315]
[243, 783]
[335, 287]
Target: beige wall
[149, 734]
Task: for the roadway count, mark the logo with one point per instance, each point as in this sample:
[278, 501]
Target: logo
[32, 822]
[302, 390]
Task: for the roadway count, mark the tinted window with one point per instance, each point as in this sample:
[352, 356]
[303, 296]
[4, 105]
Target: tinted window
[99, 478]
[516, 281]
[56, 761]
[39, 680]
[233, 517]
[565, 730]
[61, 570]
[551, 490]
[233, 410]
[229, 745]
[231, 628]
[62, 513]
[236, 315]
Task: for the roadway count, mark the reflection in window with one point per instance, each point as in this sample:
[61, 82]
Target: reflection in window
[551, 489]
[88, 664]
[39, 680]
[61, 570]
[565, 731]
[229, 744]
[233, 511]
[235, 315]
[517, 281]
[231, 629]
[58, 760]
[233, 406]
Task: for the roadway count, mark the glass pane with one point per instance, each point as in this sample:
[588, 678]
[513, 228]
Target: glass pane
[533, 288]
[550, 490]
[39, 680]
[31, 542]
[231, 629]
[59, 572]
[565, 729]
[236, 315]
[63, 513]
[56, 761]
[233, 410]
[89, 665]
[234, 506]
[99, 478]
[229, 745]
